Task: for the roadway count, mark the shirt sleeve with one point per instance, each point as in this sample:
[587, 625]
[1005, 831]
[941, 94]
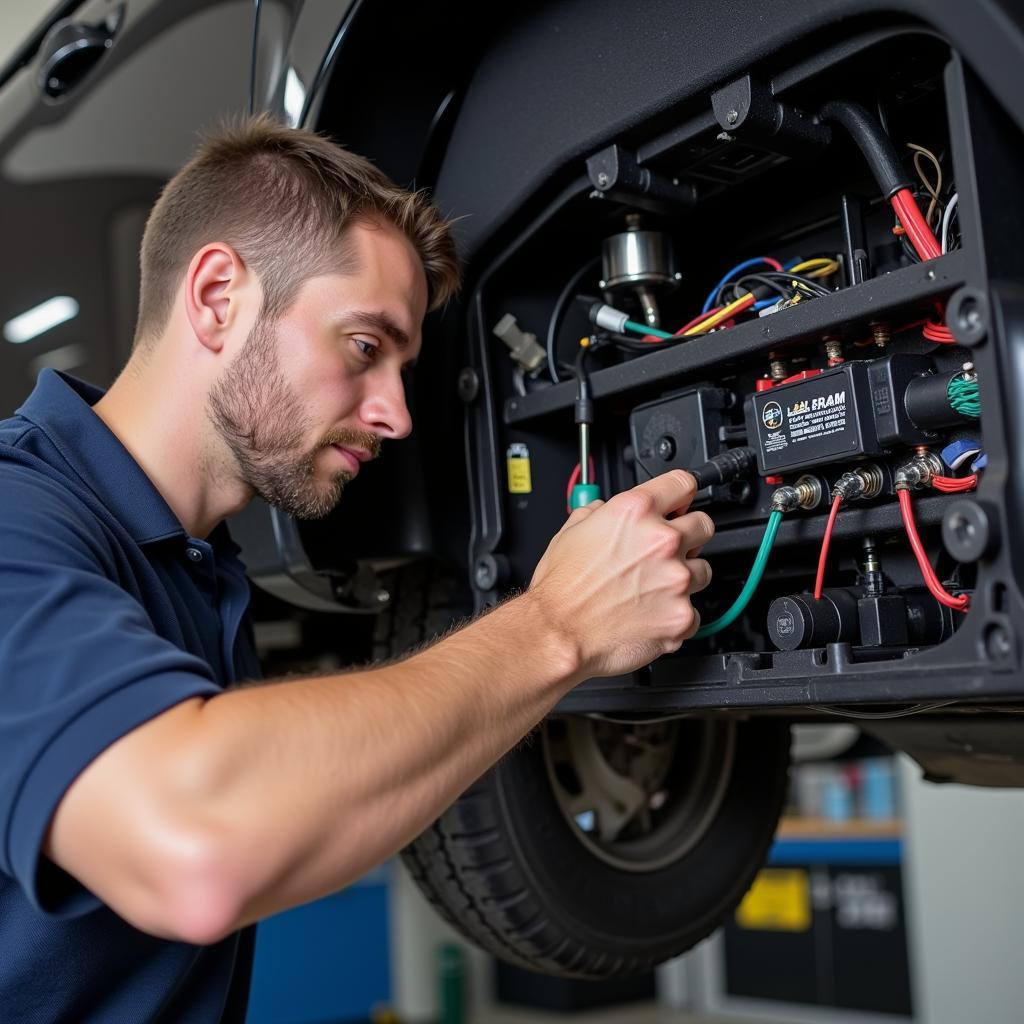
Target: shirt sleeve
[80, 666]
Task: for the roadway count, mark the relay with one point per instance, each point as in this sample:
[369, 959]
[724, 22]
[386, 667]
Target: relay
[824, 418]
[859, 408]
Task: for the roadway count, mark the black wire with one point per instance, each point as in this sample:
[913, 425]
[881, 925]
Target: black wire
[908, 250]
[809, 282]
[556, 314]
[761, 279]
[778, 281]
[582, 380]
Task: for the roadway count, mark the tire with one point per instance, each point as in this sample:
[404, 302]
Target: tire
[508, 869]
[518, 867]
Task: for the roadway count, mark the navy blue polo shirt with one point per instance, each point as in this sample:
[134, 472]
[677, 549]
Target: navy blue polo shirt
[109, 614]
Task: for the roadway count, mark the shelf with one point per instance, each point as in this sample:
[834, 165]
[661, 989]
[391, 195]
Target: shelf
[913, 286]
[820, 828]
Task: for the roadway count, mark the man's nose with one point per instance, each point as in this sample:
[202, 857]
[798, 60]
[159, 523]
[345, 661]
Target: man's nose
[386, 412]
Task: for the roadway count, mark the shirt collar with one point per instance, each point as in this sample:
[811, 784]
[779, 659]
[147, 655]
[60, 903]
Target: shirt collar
[61, 406]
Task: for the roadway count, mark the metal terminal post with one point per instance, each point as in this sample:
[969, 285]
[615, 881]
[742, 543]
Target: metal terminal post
[918, 471]
[834, 349]
[880, 334]
[806, 493]
[863, 482]
[871, 568]
[778, 368]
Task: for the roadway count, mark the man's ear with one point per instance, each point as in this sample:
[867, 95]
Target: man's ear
[214, 283]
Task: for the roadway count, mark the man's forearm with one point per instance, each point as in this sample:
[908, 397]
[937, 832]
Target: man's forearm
[317, 780]
[269, 796]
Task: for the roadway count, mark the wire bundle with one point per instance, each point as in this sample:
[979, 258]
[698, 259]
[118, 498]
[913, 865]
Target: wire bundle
[964, 397]
[955, 484]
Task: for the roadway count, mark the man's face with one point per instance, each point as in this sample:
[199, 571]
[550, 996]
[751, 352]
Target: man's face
[310, 397]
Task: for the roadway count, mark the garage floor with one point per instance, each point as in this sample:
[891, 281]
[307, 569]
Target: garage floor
[630, 1014]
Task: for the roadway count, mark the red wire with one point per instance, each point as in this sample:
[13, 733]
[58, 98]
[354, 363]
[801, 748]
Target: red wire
[700, 318]
[819, 581]
[955, 484]
[925, 243]
[573, 478]
[960, 603]
[939, 333]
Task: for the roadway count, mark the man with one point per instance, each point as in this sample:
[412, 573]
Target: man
[149, 816]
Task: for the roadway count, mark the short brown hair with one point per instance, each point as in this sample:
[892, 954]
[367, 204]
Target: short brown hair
[283, 198]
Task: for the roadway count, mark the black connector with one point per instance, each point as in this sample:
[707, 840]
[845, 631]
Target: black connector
[729, 465]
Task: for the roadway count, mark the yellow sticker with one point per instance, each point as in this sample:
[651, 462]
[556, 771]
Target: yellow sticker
[518, 460]
[778, 901]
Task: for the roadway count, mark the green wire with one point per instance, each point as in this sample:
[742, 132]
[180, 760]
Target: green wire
[753, 580]
[964, 396]
[632, 325]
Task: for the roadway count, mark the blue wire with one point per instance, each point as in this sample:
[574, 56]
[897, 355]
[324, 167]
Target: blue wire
[765, 302]
[735, 270]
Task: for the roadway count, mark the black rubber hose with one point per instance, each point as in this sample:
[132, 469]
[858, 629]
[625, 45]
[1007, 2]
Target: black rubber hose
[584, 402]
[730, 464]
[870, 136]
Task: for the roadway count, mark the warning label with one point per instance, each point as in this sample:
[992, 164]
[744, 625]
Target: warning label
[819, 417]
[812, 421]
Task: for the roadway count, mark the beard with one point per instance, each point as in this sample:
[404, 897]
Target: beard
[262, 420]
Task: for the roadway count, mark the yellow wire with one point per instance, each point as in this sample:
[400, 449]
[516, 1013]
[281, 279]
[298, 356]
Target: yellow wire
[713, 321]
[823, 263]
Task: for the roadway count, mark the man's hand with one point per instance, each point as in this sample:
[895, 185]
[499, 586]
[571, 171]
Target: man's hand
[618, 577]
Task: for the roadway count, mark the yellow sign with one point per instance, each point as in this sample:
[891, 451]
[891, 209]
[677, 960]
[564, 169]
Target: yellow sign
[517, 459]
[778, 901]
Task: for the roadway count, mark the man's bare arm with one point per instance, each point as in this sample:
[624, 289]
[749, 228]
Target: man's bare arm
[222, 811]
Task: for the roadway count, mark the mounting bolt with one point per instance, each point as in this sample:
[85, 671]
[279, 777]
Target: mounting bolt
[732, 116]
[967, 315]
[602, 180]
[998, 642]
[969, 530]
[469, 384]
[489, 571]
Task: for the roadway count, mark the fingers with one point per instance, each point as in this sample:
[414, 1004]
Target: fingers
[700, 574]
[695, 530]
[668, 492]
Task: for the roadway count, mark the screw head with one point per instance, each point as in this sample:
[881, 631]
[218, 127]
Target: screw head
[666, 448]
[968, 530]
[732, 116]
[469, 384]
[602, 180]
[488, 571]
[998, 642]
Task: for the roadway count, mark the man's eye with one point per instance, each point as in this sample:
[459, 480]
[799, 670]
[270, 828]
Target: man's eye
[368, 348]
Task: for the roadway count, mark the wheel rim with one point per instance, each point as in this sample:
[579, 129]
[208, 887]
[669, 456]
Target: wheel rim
[638, 796]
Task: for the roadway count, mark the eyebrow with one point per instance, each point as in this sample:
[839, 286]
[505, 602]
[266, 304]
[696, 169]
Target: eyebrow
[380, 322]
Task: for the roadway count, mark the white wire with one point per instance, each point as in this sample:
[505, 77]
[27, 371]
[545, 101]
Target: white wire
[947, 220]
